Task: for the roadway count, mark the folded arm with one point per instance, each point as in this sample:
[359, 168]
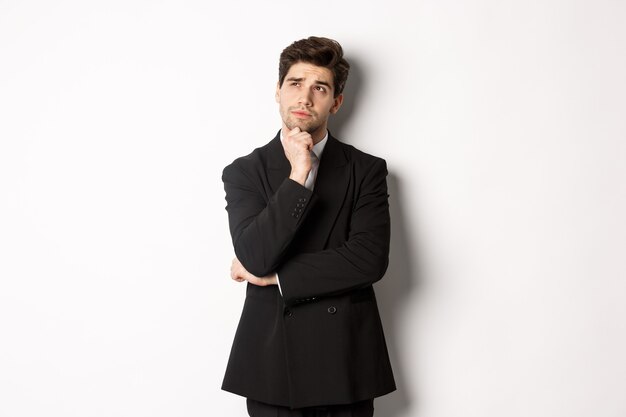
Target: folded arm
[263, 230]
[360, 261]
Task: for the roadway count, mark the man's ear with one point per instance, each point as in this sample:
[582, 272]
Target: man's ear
[277, 95]
[337, 103]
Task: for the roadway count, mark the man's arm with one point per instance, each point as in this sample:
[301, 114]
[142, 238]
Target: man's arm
[240, 274]
[262, 231]
[360, 261]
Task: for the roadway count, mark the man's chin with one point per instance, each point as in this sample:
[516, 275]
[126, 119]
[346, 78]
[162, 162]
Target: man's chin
[304, 127]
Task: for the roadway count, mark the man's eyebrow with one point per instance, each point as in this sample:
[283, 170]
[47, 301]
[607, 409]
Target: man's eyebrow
[300, 79]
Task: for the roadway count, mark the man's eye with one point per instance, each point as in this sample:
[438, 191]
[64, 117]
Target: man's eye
[318, 88]
[295, 84]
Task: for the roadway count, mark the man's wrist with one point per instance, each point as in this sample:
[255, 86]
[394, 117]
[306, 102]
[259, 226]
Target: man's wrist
[299, 177]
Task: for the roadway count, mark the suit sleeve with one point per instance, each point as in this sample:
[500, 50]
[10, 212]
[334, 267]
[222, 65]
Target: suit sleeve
[262, 228]
[360, 261]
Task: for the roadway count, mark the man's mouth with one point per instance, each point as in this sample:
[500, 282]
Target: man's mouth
[301, 114]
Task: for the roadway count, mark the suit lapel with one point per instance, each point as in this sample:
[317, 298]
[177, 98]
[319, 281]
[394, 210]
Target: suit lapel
[330, 189]
[331, 186]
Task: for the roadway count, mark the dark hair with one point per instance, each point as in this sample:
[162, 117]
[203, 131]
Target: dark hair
[322, 52]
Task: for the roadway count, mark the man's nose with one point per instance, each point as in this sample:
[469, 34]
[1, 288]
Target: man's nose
[305, 98]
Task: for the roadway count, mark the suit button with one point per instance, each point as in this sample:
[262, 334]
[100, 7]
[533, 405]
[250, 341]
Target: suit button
[332, 310]
[289, 313]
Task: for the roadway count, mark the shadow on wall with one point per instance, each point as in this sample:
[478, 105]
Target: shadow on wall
[395, 289]
[392, 293]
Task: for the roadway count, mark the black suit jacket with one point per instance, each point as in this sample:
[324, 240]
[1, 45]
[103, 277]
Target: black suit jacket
[321, 342]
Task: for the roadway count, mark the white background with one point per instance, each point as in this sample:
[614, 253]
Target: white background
[504, 127]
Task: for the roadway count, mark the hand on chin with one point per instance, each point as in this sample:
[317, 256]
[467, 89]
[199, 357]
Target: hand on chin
[304, 127]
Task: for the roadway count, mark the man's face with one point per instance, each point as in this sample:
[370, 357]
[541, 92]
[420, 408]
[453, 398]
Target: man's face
[306, 98]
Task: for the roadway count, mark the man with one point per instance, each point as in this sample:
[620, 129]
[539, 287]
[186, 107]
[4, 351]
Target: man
[309, 220]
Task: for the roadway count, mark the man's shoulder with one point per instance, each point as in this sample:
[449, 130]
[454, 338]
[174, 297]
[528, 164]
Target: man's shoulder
[255, 159]
[357, 156]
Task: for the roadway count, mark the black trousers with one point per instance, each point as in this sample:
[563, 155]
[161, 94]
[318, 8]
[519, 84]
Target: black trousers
[360, 409]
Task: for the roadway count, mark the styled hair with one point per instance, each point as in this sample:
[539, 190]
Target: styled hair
[322, 52]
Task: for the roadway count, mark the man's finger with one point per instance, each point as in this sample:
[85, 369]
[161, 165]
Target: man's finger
[294, 131]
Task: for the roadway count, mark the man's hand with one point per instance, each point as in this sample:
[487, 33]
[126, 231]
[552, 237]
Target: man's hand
[298, 146]
[240, 274]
